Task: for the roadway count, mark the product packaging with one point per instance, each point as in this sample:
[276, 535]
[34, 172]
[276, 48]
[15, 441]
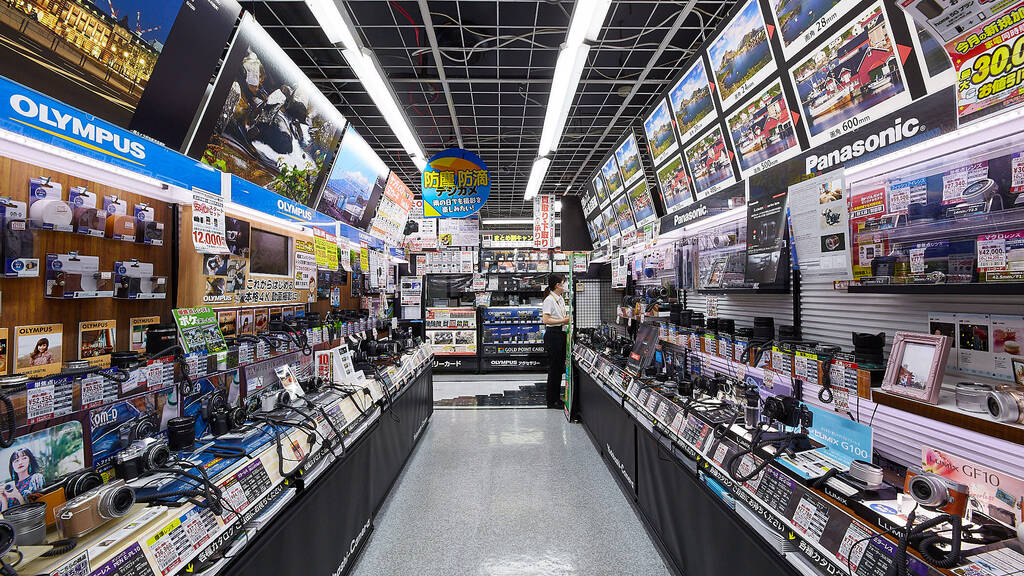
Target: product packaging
[17, 244]
[88, 219]
[120, 225]
[147, 229]
[74, 276]
[46, 210]
[134, 280]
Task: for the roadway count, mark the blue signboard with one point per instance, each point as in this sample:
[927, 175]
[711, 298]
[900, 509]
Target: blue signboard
[42, 118]
[262, 200]
[456, 184]
[842, 439]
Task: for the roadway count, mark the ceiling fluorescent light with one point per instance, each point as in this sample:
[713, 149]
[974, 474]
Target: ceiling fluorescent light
[568, 71]
[501, 221]
[333, 23]
[587, 19]
[372, 78]
[420, 163]
[540, 168]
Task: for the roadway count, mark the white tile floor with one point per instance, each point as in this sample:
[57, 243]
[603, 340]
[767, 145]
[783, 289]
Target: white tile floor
[507, 493]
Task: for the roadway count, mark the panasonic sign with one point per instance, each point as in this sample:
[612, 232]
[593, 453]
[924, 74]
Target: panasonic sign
[899, 131]
[687, 217]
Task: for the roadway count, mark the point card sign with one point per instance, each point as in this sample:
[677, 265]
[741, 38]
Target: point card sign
[456, 184]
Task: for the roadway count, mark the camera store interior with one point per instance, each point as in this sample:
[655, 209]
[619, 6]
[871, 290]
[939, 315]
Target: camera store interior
[512, 287]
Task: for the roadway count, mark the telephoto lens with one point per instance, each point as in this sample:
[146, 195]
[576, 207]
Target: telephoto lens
[868, 348]
[726, 326]
[788, 333]
[160, 337]
[711, 324]
[752, 407]
[181, 433]
[764, 328]
[697, 320]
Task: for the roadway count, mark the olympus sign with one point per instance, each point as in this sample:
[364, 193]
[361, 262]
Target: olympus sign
[885, 137]
[294, 209]
[690, 216]
[72, 126]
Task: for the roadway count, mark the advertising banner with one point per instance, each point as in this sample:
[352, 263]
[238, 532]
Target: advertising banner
[208, 234]
[199, 330]
[544, 222]
[325, 247]
[456, 183]
[821, 223]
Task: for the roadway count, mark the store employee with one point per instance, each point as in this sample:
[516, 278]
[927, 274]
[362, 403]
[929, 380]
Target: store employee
[554, 318]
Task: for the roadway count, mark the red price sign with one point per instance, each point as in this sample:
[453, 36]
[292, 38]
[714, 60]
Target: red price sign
[208, 238]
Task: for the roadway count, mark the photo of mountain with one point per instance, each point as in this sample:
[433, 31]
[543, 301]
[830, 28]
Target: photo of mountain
[856, 74]
[356, 182]
[676, 191]
[762, 131]
[629, 161]
[709, 163]
[608, 222]
[623, 215]
[612, 179]
[691, 101]
[799, 22]
[740, 56]
[658, 127]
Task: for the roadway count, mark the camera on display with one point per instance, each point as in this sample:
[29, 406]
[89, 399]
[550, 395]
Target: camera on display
[1006, 404]
[140, 457]
[937, 492]
[788, 412]
[85, 513]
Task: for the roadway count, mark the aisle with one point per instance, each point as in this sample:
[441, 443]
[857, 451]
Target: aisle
[507, 493]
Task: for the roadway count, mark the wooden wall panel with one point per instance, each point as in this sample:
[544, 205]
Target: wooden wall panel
[23, 302]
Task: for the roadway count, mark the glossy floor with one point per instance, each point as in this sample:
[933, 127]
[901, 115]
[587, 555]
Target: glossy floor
[516, 492]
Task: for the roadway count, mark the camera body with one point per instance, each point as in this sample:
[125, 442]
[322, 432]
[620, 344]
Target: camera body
[140, 457]
[85, 513]
[64, 489]
[937, 492]
[787, 411]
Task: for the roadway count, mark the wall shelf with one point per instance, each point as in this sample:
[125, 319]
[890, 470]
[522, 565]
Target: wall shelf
[1010, 288]
[947, 413]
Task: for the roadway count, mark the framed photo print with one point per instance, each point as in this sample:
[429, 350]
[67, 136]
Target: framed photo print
[916, 366]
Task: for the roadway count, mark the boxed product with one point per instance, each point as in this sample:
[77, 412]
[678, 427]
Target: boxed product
[17, 244]
[120, 224]
[147, 229]
[46, 210]
[88, 219]
[74, 276]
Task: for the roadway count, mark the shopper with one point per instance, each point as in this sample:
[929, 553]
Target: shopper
[554, 319]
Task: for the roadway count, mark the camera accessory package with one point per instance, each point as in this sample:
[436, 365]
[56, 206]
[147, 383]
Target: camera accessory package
[73, 276]
[17, 243]
[134, 280]
[88, 219]
[147, 229]
[47, 211]
[120, 224]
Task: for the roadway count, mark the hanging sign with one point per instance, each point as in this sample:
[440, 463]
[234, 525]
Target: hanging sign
[544, 222]
[325, 248]
[456, 183]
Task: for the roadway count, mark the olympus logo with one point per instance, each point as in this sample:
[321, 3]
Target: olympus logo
[352, 548]
[885, 137]
[294, 210]
[28, 108]
[102, 418]
[686, 217]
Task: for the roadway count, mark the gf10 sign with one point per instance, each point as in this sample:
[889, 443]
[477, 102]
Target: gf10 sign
[456, 184]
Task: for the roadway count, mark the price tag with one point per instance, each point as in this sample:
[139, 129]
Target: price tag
[991, 252]
[917, 260]
[208, 234]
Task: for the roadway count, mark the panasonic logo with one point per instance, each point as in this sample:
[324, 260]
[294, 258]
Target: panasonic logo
[885, 137]
[690, 216]
[68, 124]
[294, 210]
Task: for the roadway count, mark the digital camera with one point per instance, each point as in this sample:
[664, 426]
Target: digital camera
[85, 513]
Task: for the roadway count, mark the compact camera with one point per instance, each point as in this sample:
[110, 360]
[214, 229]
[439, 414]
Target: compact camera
[64, 489]
[937, 492]
[1006, 404]
[787, 411]
[85, 513]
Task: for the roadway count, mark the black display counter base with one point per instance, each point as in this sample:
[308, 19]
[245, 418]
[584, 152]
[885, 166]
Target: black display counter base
[324, 530]
[693, 529]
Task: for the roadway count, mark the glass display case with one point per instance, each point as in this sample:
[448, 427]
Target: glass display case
[514, 260]
[722, 257]
[952, 223]
[512, 338]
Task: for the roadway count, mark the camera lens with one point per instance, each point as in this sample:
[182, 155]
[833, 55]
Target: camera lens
[1003, 406]
[160, 337]
[921, 490]
[29, 522]
[764, 328]
[7, 536]
[181, 432]
[157, 456]
[81, 483]
[116, 502]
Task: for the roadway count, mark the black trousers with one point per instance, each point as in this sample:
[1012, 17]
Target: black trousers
[554, 345]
